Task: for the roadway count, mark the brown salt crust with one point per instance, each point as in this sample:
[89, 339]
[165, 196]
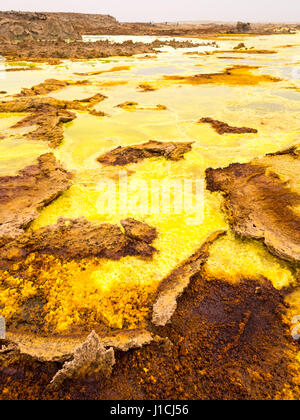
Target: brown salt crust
[32, 104]
[132, 154]
[78, 238]
[177, 281]
[24, 195]
[49, 114]
[48, 86]
[224, 128]
[50, 126]
[261, 200]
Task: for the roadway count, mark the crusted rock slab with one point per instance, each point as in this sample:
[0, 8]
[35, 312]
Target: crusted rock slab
[224, 128]
[89, 357]
[61, 349]
[177, 281]
[49, 114]
[50, 126]
[132, 154]
[24, 195]
[36, 104]
[262, 200]
[78, 238]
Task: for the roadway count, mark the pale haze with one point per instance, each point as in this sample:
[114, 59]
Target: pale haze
[171, 10]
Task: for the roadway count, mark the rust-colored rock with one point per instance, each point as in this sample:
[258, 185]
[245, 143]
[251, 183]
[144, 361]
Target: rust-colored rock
[224, 128]
[78, 238]
[24, 195]
[132, 154]
[262, 200]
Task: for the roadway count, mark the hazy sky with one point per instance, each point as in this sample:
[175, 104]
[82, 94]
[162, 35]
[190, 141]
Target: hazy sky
[161, 10]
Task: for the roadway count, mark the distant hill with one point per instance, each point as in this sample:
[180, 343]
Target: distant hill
[50, 26]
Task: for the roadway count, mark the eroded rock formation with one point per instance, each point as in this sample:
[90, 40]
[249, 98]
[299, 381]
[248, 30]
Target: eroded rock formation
[78, 238]
[89, 357]
[132, 154]
[49, 26]
[262, 200]
[24, 195]
[224, 128]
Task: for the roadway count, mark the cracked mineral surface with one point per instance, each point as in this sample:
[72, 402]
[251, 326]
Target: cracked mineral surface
[150, 255]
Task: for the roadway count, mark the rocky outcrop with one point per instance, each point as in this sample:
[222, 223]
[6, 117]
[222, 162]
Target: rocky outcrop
[89, 357]
[78, 238]
[49, 26]
[24, 195]
[132, 154]
[262, 200]
[243, 27]
[224, 128]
